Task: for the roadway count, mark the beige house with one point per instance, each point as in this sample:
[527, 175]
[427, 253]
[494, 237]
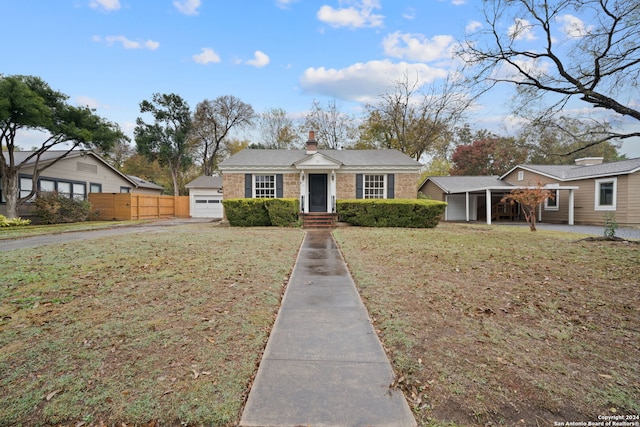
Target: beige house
[318, 178]
[583, 193]
[76, 175]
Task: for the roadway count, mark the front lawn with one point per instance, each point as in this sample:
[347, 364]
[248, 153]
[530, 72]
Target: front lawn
[490, 325]
[140, 329]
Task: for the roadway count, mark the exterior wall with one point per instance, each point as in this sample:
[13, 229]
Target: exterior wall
[291, 185]
[433, 191]
[633, 199]
[85, 169]
[627, 199]
[233, 185]
[405, 185]
[345, 186]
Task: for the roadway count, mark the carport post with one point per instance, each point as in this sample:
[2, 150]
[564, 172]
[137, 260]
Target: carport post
[571, 206]
[467, 204]
[488, 206]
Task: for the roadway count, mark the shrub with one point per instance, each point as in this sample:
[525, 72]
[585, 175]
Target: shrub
[282, 212]
[53, 208]
[5, 222]
[411, 213]
[261, 212]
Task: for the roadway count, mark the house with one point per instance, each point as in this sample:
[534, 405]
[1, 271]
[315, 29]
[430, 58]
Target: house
[318, 178]
[205, 197]
[583, 193]
[76, 175]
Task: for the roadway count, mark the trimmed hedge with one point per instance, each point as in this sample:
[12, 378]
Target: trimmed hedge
[261, 212]
[410, 213]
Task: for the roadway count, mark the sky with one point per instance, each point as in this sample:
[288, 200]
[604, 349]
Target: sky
[113, 54]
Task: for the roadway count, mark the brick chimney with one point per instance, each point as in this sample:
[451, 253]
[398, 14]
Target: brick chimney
[312, 144]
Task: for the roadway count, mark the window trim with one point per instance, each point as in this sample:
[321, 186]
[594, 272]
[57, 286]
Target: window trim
[598, 206]
[383, 189]
[555, 200]
[272, 190]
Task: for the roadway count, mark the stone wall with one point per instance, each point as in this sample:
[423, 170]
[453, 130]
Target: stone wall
[405, 185]
[345, 186]
[233, 185]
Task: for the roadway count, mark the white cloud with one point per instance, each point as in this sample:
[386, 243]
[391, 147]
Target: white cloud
[473, 26]
[363, 82]
[521, 30]
[458, 2]
[188, 7]
[533, 67]
[409, 14]
[360, 15]
[259, 60]
[284, 4]
[416, 47]
[206, 56]
[573, 26]
[107, 5]
[128, 44]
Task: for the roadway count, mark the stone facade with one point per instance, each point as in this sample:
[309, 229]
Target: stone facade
[405, 185]
[291, 185]
[345, 186]
[233, 185]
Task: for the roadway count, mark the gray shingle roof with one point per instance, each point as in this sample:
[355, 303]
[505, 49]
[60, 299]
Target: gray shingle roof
[206, 182]
[283, 158]
[574, 172]
[462, 184]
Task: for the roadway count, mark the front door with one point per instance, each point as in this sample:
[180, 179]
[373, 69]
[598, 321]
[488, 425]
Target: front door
[317, 192]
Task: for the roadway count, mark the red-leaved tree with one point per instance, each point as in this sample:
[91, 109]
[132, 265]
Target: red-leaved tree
[529, 199]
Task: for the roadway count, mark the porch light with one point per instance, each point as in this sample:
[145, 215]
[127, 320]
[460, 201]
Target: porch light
[333, 176]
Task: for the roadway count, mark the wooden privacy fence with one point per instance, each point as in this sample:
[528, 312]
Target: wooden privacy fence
[132, 206]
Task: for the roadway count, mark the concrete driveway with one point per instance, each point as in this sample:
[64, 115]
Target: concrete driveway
[160, 226]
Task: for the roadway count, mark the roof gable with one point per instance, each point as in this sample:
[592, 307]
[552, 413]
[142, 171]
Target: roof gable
[575, 172]
[318, 161]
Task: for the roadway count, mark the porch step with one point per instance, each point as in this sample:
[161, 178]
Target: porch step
[319, 220]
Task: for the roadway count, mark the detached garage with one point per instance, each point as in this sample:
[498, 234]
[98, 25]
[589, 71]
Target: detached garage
[205, 197]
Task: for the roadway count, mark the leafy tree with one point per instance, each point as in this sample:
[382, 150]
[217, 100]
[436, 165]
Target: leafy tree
[165, 140]
[437, 166]
[149, 170]
[334, 129]
[529, 199]
[489, 156]
[29, 103]
[118, 154]
[556, 50]
[562, 140]
[277, 129]
[212, 122]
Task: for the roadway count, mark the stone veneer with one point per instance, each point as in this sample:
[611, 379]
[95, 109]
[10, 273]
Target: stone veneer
[404, 185]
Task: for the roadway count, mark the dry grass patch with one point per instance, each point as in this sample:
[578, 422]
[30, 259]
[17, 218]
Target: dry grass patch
[163, 327]
[501, 326]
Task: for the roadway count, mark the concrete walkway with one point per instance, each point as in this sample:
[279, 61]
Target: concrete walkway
[324, 364]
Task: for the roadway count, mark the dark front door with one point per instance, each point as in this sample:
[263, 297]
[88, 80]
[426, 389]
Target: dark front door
[317, 193]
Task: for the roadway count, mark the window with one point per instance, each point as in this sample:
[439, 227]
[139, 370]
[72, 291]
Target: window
[374, 187]
[520, 175]
[552, 204]
[605, 197]
[79, 191]
[26, 185]
[264, 186]
[64, 189]
[47, 185]
[125, 189]
[95, 188]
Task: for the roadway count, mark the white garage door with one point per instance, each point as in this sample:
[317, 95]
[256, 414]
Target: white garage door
[207, 207]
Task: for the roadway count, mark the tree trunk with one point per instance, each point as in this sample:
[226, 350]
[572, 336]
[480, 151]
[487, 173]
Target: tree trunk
[11, 191]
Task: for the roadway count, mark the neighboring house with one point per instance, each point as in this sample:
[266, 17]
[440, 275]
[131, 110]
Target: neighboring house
[145, 187]
[318, 178]
[76, 175]
[583, 192]
[205, 197]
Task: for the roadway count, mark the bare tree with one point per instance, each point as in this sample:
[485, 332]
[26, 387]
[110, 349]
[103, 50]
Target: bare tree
[211, 124]
[334, 129]
[277, 129]
[415, 122]
[556, 50]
